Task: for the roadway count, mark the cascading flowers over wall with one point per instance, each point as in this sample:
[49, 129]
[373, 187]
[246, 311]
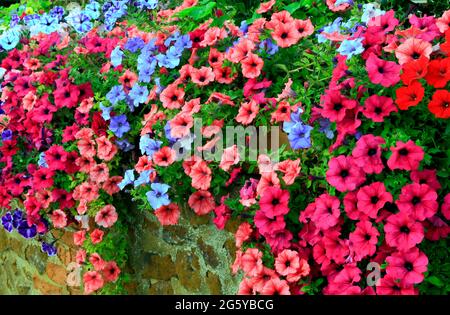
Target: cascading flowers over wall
[99, 107]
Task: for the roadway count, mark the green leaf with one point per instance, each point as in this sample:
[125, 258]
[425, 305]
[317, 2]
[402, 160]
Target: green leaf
[435, 281]
[293, 7]
[197, 12]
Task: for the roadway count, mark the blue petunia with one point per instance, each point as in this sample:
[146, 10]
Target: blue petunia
[295, 118]
[6, 134]
[146, 71]
[147, 4]
[119, 125]
[299, 137]
[7, 222]
[351, 47]
[116, 56]
[116, 94]
[148, 145]
[106, 112]
[9, 39]
[144, 178]
[80, 22]
[31, 19]
[92, 10]
[158, 197]
[57, 12]
[48, 24]
[49, 249]
[27, 231]
[134, 44]
[138, 94]
[42, 161]
[124, 145]
[325, 127]
[269, 46]
[128, 178]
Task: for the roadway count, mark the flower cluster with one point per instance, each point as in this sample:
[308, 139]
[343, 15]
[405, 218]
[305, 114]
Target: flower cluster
[104, 115]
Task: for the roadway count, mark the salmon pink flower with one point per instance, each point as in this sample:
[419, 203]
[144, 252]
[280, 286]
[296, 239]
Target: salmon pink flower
[230, 157]
[285, 35]
[247, 112]
[99, 173]
[201, 175]
[265, 6]
[181, 124]
[287, 262]
[251, 66]
[79, 237]
[97, 261]
[96, 236]
[251, 262]
[164, 156]
[413, 49]
[111, 271]
[202, 202]
[243, 233]
[172, 97]
[276, 286]
[92, 281]
[59, 219]
[304, 27]
[443, 23]
[106, 217]
[168, 215]
[202, 76]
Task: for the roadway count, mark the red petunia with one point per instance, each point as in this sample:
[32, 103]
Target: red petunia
[440, 104]
[414, 70]
[405, 156]
[408, 96]
[438, 72]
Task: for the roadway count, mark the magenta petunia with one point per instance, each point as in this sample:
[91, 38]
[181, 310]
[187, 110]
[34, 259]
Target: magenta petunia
[419, 200]
[386, 73]
[405, 156]
[344, 174]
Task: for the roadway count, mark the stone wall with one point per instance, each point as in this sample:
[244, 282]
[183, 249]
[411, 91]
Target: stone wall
[193, 257]
[25, 269]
